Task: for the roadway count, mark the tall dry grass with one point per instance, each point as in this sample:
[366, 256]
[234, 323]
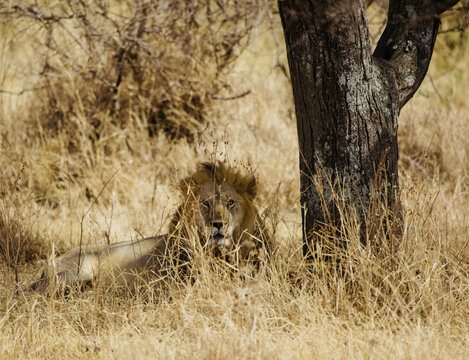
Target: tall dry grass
[64, 177]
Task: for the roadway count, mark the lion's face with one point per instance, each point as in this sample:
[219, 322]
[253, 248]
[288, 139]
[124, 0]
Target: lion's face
[220, 213]
[219, 204]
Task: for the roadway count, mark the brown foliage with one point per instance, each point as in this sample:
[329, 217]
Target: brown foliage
[105, 64]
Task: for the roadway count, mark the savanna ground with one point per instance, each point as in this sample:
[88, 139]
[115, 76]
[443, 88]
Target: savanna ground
[105, 106]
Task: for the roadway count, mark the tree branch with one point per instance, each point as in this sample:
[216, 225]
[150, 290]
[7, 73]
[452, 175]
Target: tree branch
[408, 40]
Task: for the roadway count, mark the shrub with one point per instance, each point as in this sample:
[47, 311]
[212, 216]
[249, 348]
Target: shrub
[160, 63]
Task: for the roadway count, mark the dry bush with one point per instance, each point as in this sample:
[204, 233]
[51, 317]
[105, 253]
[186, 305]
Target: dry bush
[104, 65]
[19, 242]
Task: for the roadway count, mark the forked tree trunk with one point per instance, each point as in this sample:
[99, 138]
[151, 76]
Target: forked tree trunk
[348, 100]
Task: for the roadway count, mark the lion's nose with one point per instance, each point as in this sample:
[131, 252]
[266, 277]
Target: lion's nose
[217, 224]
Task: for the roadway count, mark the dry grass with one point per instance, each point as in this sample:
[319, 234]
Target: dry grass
[121, 185]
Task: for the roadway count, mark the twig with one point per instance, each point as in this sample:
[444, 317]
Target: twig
[215, 97]
[86, 213]
[434, 87]
[20, 92]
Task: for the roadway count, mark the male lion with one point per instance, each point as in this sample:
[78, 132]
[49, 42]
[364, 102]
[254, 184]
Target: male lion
[217, 214]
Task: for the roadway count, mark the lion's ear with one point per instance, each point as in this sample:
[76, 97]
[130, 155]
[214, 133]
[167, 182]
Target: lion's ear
[252, 188]
[210, 167]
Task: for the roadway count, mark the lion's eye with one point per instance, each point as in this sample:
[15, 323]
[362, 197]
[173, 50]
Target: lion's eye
[206, 204]
[230, 203]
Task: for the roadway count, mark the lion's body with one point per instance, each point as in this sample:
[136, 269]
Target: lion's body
[120, 263]
[217, 210]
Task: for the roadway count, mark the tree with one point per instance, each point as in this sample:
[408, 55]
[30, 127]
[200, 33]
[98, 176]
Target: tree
[348, 99]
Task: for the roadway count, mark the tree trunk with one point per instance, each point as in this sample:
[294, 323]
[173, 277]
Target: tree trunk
[348, 100]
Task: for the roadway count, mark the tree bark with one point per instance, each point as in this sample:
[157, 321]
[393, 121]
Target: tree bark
[347, 100]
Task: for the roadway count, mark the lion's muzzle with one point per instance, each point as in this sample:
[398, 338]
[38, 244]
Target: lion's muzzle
[218, 239]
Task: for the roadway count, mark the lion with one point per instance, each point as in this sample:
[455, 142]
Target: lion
[217, 215]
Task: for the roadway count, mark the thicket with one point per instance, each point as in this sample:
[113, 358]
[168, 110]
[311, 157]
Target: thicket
[104, 64]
